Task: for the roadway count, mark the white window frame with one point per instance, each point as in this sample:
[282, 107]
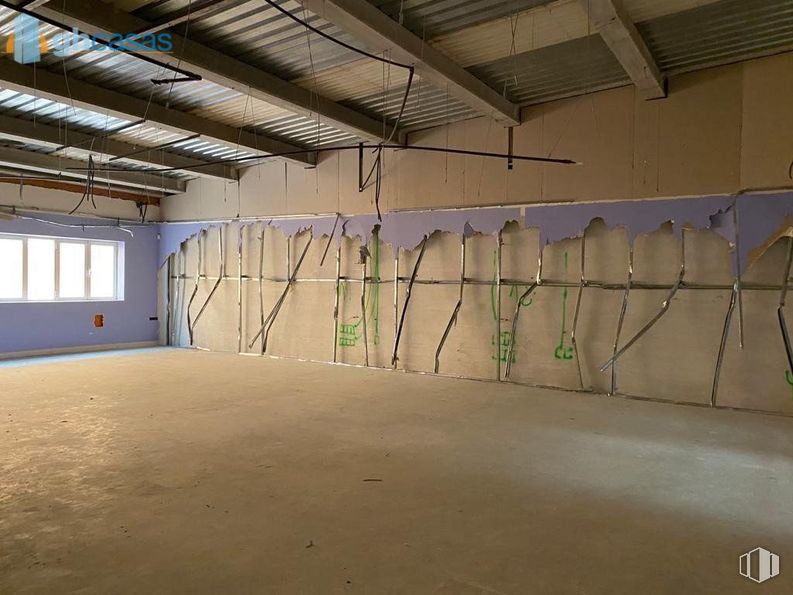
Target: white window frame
[118, 284]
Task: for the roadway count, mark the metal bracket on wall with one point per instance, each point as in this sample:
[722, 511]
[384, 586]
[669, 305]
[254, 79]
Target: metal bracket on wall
[201, 235]
[335, 304]
[214, 287]
[723, 344]
[497, 339]
[458, 305]
[270, 320]
[739, 282]
[365, 259]
[261, 278]
[168, 305]
[621, 319]
[394, 358]
[523, 296]
[178, 299]
[239, 287]
[396, 302]
[581, 283]
[780, 311]
[664, 307]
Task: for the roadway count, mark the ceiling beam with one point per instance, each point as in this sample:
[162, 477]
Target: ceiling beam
[78, 188]
[108, 147]
[187, 13]
[611, 20]
[40, 162]
[53, 86]
[217, 67]
[380, 33]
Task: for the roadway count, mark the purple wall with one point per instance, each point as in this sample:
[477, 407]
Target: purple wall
[32, 326]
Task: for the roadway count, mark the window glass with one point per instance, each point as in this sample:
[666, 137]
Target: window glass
[44, 269]
[72, 270]
[41, 269]
[10, 269]
[103, 271]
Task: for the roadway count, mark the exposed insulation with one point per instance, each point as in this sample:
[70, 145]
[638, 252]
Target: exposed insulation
[673, 361]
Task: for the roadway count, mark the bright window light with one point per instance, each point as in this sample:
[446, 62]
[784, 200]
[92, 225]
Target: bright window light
[41, 269]
[103, 270]
[11, 277]
[50, 269]
[72, 270]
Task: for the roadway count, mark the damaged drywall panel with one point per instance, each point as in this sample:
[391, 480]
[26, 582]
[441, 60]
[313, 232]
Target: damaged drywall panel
[674, 360]
[757, 376]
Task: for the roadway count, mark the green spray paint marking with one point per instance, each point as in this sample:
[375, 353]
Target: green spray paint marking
[503, 346]
[562, 352]
[789, 378]
[348, 332]
[506, 339]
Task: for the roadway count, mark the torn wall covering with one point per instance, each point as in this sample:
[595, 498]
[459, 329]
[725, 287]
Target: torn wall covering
[762, 218]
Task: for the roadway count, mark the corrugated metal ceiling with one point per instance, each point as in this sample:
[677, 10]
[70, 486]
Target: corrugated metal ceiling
[553, 55]
[720, 32]
[431, 18]
[564, 69]
[256, 33]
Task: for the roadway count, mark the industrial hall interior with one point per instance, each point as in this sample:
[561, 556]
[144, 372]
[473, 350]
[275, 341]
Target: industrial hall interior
[384, 297]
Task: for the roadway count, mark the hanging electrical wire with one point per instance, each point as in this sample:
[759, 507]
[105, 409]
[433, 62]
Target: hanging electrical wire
[377, 165]
[88, 193]
[186, 75]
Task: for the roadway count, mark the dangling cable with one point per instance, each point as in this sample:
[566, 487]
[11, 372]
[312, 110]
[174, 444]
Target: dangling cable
[377, 164]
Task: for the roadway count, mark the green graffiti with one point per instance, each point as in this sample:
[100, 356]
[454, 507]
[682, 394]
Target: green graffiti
[562, 352]
[506, 340]
[347, 335]
[504, 346]
[789, 378]
[348, 332]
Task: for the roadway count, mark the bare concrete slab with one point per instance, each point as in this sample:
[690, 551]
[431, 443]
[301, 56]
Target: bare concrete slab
[193, 472]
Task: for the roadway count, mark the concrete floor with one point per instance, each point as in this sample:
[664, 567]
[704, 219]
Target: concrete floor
[193, 472]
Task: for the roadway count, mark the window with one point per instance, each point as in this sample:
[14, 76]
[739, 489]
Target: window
[44, 269]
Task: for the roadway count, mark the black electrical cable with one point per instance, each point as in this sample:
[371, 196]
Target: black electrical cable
[343, 44]
[377, 166]
[188, 76]
[89, 187]
[348, 148]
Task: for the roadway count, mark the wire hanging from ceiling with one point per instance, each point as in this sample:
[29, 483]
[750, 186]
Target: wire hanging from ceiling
[186, 75]
[377, 164]
[88, 193]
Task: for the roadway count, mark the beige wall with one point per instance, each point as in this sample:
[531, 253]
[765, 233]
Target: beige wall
[674, 361]
[48, 199]
[719, 131]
